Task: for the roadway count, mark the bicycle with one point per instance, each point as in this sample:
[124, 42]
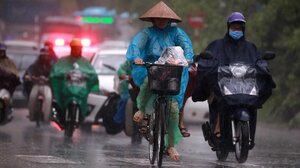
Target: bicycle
[164, 80]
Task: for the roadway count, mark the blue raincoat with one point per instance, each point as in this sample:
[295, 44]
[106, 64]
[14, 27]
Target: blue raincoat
[148, 46]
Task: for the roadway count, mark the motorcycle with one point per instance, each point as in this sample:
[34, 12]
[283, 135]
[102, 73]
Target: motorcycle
[5, 110]
[7, 86]
[239, 89]
[40, 100]
[73, 117]
[131, 128]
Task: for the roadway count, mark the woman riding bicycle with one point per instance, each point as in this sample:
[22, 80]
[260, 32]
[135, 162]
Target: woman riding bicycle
[147, 46]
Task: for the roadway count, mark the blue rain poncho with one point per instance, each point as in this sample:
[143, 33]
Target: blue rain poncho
[148, 46]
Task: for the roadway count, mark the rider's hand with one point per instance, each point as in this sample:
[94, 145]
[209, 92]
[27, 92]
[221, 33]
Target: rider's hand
[27, 77]
[123, 77]
[138, 61]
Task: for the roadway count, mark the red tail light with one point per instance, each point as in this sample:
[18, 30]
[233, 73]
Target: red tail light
[59, 42]
[85, 42]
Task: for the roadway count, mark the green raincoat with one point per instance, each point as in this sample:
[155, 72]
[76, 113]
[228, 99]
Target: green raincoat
[65, 92]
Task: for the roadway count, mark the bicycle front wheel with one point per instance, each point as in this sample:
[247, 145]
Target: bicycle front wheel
[161, 127]
[153, 138]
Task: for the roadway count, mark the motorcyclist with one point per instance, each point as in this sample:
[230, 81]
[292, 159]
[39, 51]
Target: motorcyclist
[9, 80]
[41, 67]
[232, 48]
[50, 46]
[147, 46]
[63, 93]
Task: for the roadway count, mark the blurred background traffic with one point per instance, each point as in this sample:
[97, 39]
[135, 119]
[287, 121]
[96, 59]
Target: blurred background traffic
[25, 25]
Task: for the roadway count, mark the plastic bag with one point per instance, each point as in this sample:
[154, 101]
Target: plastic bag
[172, 55]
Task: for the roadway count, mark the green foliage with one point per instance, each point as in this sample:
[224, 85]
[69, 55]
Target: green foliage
[277, 28]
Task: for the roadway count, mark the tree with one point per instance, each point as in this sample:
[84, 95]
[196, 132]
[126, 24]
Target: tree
[277, 27]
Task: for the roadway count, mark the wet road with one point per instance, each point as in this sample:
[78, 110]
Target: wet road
[22, 145]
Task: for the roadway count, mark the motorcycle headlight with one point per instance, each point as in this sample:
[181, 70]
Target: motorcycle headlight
[4, 94]
[238, 71]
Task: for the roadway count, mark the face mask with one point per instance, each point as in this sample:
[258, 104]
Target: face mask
[236, 34]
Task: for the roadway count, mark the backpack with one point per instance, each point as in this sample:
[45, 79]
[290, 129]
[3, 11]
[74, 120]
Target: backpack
[108, 111]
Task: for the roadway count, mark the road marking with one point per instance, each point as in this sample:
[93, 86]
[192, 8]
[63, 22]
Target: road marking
[145, 162]
[292, 153]
[46, 159]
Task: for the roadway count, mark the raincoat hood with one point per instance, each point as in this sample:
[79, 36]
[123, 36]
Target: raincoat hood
[161, 10]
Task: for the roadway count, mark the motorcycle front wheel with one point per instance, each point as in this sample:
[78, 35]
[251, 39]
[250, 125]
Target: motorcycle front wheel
[38, 112]
[242, 145]
[161, 129]
[222, 154]
[70, 120]
[2, 111]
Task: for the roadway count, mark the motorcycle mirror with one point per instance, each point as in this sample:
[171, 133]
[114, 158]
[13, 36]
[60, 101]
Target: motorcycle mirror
[269, 55]
[206, 55]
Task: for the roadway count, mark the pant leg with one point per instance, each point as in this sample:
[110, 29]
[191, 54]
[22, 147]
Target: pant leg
[174, 136]
[143, 96]
[119, 117]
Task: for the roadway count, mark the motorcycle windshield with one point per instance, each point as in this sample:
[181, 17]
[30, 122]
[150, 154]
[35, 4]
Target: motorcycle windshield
[237, 78]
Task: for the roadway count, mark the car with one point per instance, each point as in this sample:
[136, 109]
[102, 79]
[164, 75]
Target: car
[23, 53]
[195, 112]
[113, 44]
[61, 30]
[106, 64]
[21, 45]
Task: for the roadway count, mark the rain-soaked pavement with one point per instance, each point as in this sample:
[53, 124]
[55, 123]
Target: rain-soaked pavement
[22, 145]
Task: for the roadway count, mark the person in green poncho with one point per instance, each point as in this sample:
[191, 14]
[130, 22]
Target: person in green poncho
[63, 91]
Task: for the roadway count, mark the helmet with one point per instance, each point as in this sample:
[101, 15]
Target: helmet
[75, 43]
[48, 43]
[236, 17]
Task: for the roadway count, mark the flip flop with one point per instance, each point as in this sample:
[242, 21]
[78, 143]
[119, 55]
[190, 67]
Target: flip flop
[218, 134]
[184, 132]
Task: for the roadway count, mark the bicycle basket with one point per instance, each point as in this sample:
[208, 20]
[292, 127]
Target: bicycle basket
[164, 79]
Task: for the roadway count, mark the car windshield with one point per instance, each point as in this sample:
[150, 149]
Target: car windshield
[22, 60]
[108, 63]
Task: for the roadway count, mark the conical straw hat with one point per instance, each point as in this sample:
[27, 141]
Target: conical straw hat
[160, 10]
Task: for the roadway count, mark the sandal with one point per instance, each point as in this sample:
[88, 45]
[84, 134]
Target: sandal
[218, 134]
[138, 117]
[184, 132]
[173, 154]
[143, 127]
